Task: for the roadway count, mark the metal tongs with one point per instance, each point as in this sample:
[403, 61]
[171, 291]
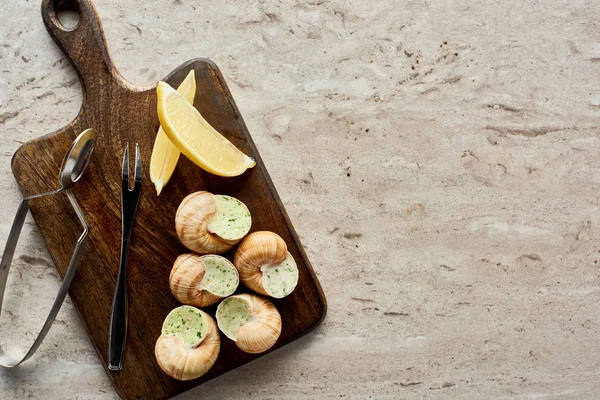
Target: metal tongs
[73, 165]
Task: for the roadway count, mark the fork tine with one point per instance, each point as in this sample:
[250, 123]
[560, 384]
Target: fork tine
[125, 174]
[138, 164]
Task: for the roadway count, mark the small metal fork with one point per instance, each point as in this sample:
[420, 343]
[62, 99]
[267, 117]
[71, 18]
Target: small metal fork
[129, 204]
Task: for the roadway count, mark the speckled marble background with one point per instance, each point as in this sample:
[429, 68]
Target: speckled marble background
[438, 159]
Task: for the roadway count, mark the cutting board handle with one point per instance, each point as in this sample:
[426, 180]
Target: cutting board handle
[84, 45]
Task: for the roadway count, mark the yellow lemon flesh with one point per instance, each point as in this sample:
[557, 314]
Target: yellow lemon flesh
[165, 154]
[195, 138]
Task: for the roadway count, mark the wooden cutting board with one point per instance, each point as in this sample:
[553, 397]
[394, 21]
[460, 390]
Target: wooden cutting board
[121, 113]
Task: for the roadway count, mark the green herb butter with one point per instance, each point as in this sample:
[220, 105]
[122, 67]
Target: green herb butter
[232, 219]
[220, 276]
[231, 314]
[187, 324]
[280, 280]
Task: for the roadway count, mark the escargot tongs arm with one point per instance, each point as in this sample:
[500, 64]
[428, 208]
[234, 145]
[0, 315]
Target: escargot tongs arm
[74, 164]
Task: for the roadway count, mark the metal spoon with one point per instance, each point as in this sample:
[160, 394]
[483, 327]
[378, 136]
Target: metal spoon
[73, 166]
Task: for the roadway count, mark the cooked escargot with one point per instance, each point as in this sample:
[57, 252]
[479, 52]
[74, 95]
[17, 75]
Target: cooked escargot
[211, 224]
[265, 265]
[251, 321]
[202, 280]
[189, 343]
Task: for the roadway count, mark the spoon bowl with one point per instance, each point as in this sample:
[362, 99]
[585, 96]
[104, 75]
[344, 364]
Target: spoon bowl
[77, 158]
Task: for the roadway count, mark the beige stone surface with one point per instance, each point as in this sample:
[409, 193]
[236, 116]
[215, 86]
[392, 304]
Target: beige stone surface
[439, 160]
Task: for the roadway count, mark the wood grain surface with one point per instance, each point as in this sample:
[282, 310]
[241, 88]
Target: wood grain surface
[123, 113]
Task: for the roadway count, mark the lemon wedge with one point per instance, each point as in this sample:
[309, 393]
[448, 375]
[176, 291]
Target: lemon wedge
[195, 138]
[165, 154]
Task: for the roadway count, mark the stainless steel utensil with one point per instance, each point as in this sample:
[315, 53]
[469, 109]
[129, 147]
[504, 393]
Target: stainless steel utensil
[118, 319]
[74, 164]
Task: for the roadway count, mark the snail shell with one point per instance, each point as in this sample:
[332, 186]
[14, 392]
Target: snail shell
[251, 321]
[202, 280]
[187, 351]
[211, 224]
[265, 265]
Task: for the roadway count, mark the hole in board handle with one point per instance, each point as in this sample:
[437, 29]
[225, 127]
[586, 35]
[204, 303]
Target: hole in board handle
[68, 14]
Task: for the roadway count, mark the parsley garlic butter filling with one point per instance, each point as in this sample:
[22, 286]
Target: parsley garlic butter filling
[185, 323]
[232, 219]
[220, 276]
[232, 314]
[280, 280]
